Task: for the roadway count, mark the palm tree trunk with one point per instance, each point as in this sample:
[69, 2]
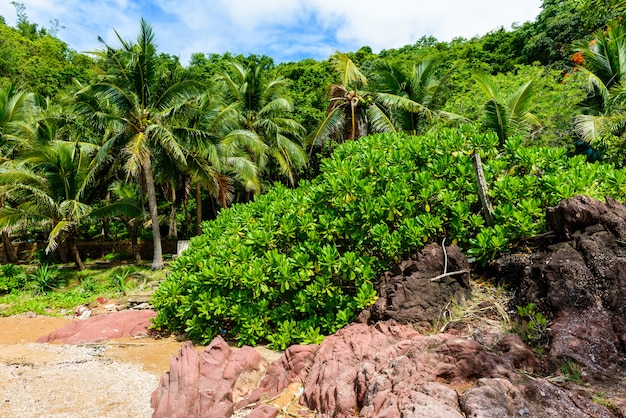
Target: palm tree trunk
[8, 247]
[157, 257]
[6, 241]
[198, 209]
[106, 230]
[71, 242]
[172, 232]
[132, 232]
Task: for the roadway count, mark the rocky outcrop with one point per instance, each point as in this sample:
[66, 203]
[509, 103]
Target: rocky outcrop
[579, 280]
[527, 398]
[408, 294]
[103, 327]
[386, 370]
[208, 383]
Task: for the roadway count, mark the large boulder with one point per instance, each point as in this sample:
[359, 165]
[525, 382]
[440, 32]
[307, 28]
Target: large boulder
[409, 295]
[578, 279]
[501, 398]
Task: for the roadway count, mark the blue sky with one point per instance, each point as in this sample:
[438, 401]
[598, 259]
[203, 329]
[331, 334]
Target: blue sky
[286, 30]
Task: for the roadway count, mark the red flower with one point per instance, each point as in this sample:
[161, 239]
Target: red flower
[578, 58]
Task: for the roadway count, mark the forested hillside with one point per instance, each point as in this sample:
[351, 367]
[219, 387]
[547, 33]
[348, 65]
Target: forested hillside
[128, 143]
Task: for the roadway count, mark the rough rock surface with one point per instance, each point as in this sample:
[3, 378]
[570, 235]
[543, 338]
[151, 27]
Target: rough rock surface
[579, 281]
[208, 383]
[383, 370]
[501, 398]
[407, 294]
[102, 327]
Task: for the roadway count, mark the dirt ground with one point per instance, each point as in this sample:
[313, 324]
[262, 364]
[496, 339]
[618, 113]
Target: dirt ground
[110, 379]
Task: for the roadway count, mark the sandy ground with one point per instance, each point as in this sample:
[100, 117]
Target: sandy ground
[112, 379]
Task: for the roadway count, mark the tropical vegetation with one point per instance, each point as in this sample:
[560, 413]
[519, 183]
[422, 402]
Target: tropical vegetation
[298, 183]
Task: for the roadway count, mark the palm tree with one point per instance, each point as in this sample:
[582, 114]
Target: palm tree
[506, 115]
[128, 206]
[415, 98]
[218, 157]
[396, 103]
[140, 107]
[351, 113]
[262, 111]
[17, 109]
[48, 185]
[603, 116]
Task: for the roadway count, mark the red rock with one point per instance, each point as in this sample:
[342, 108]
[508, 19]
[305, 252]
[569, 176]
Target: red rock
[207, 383]
[102, 327]
[495, 398]
[408, 296]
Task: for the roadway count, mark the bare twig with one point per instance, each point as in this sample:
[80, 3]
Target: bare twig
[452, 273]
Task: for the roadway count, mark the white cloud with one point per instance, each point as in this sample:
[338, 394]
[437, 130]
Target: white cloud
[283, 29]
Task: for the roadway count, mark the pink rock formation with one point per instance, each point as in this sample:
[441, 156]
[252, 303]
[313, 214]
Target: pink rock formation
[102, 327]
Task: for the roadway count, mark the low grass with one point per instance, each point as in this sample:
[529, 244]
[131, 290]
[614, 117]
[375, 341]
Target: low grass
[57, 290]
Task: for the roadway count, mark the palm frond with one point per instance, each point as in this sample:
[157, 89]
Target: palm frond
[53, 238]
[379, 119]
[593, 128]
[350, 74]
[117, 208]
[334, 122]
[74, 210]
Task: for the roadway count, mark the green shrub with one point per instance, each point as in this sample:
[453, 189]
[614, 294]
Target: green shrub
[12, 278]
[298, 264]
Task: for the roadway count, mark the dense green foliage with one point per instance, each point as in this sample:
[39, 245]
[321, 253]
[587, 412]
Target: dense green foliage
[298, 264]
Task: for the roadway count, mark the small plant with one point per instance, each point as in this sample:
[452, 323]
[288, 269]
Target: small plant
[115, 256]
[121, 282]
[44, 279]
[88, 284]
[532, 326]
[603, 399]
[571, 370]
[12, 278]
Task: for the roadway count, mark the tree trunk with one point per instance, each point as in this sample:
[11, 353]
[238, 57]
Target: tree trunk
[157, 257]
[132, 232]
[6, 241]
[172, 232]
[8, 248]
[71, 242]
[187, 226]
[481, 183]
[106, 230]
[198, 209]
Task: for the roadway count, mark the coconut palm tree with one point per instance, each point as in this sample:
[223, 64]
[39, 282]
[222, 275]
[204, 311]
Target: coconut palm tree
[396, 102]
[17, 109]
[140, 107]
[506, 115]
[48, 184]
[603, 117]
[352, 113]
[218, 158]
[414, 98]
[263, 112]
